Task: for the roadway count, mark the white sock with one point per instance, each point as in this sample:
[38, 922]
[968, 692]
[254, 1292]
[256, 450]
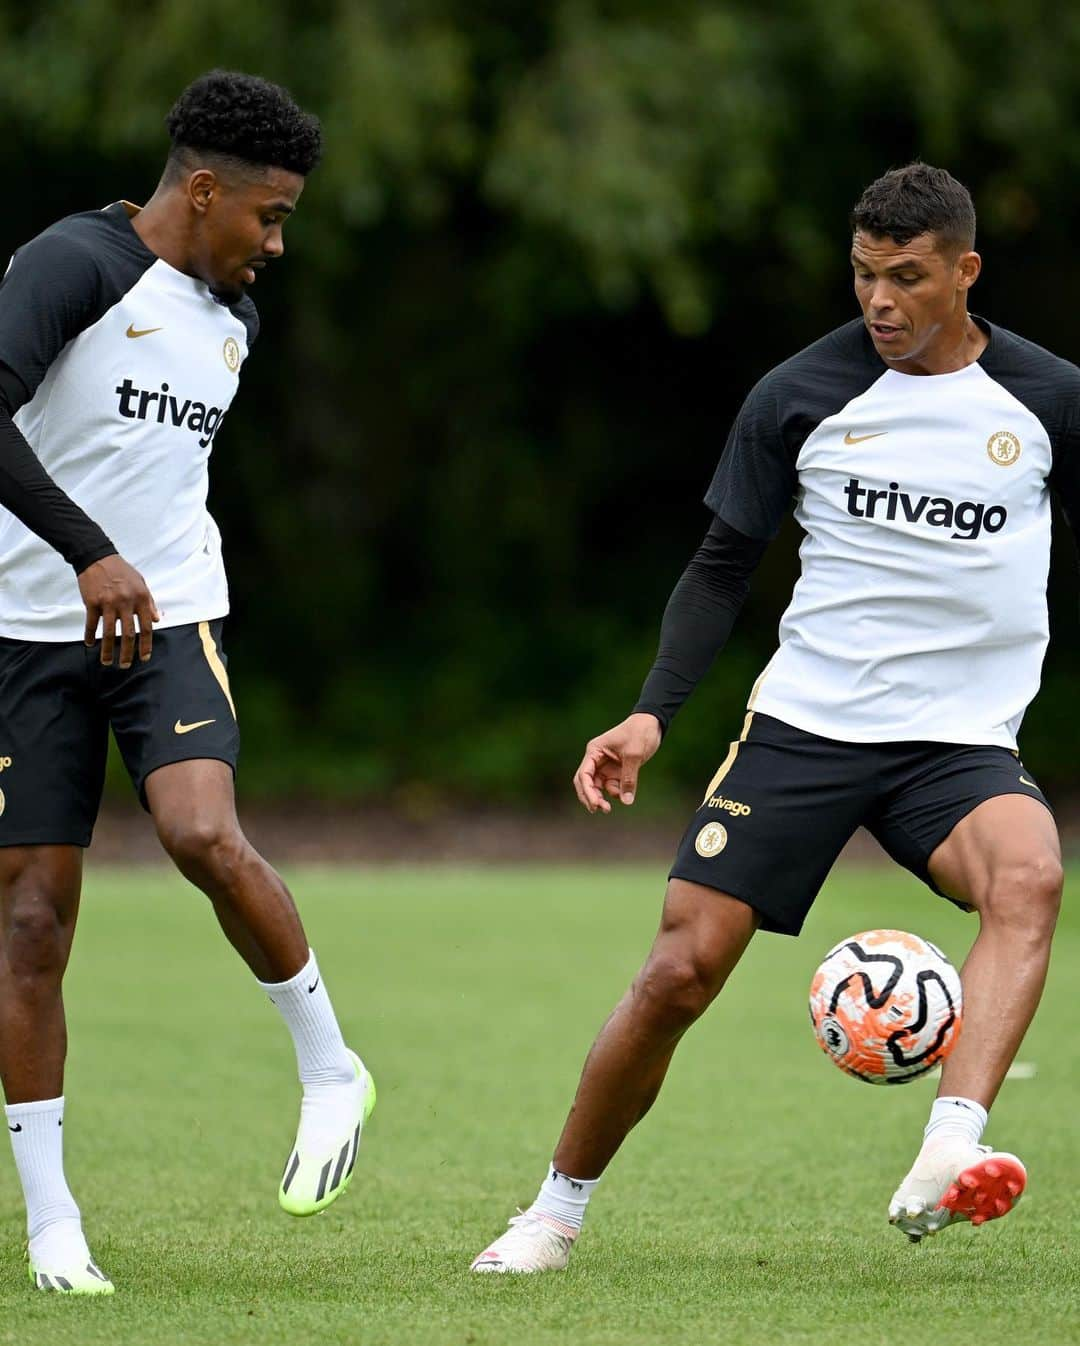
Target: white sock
[37, 1140]
[321, 1054]
[960, 1118]
[564, 1199]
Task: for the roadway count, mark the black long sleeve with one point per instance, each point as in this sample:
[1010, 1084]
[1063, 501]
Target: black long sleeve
[699, 616]
[1065, 479]
[28, 492]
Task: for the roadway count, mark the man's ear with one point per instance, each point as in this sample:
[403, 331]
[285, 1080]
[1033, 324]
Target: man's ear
[968, 266]
[201, 187]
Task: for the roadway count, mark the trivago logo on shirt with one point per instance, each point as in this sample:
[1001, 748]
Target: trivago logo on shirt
[969, 518]
[168, 409]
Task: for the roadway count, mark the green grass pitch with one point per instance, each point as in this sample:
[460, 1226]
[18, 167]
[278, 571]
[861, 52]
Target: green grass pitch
[748, 1208]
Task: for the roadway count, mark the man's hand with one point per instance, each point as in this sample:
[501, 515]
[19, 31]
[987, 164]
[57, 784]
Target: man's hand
[612, 762]
[115, 592]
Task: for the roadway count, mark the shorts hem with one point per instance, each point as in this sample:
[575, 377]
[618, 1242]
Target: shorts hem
[140, 784]
[771, 923]
[959, 817]
[48, 839]
[926, 851]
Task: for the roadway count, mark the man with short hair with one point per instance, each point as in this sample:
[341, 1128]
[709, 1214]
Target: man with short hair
[122, 336]
[919, 444]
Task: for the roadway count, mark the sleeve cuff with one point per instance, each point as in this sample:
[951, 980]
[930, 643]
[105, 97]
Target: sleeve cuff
[646, 708]
[87, 557]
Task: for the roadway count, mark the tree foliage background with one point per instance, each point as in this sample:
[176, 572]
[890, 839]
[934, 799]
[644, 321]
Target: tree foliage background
[548, 252]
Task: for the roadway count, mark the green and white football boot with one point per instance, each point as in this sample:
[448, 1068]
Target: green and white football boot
[59, 1260]
[332, 1118]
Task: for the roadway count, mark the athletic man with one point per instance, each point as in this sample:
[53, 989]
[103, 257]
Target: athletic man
[919, 444]
[122, 335]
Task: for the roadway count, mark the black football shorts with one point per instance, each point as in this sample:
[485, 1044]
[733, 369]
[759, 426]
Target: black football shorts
[785, 802]
[57, 704]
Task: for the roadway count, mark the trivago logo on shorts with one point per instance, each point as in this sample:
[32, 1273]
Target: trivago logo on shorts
[968, 518]
[732, 806]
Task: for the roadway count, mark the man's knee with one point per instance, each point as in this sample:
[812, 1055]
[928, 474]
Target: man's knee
[703, 934]
[1025, 895]
[678, 983]
[37, 911]
[204, 848]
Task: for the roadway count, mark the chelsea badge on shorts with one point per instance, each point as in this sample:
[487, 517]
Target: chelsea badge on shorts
[711, 840]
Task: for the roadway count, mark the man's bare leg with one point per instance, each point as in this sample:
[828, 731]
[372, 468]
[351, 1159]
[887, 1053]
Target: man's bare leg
[194, 810]
[1004, 859]
[39, 904]
[193, 805]
[702, 936]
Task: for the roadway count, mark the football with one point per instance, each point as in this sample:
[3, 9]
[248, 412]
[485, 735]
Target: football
[886, 1006]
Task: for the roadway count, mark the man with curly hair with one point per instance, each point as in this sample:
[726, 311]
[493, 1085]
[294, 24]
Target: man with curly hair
[122, 336]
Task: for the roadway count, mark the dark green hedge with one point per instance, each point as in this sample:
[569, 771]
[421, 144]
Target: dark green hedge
[548, 252]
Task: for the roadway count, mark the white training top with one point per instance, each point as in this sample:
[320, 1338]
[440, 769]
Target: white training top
[920, 612]
[129, 367]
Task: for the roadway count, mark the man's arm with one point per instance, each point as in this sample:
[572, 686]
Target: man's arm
[749, 495]
[1067, 485]
[697, 622]
[28, 492]
[49, 293]
[1065, 477]
[699, 617]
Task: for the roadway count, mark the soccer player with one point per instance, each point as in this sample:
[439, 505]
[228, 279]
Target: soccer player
[122, 336]
[919, 444]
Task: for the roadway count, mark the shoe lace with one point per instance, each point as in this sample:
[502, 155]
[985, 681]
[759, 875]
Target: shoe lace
[526, 1226]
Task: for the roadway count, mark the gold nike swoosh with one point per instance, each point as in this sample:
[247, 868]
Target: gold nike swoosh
[134, 331]
[179, 728]
[1024, 781]
[849, 438]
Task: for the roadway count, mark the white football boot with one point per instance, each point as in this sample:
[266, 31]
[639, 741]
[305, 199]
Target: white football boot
[954, 1180]
[320, 1166]
[60, 1261]
[532, 1243]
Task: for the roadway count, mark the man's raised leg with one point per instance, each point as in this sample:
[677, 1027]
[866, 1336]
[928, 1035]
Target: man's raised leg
[1004, 859]
[194, 810]
[39, 903]
[702, 936]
